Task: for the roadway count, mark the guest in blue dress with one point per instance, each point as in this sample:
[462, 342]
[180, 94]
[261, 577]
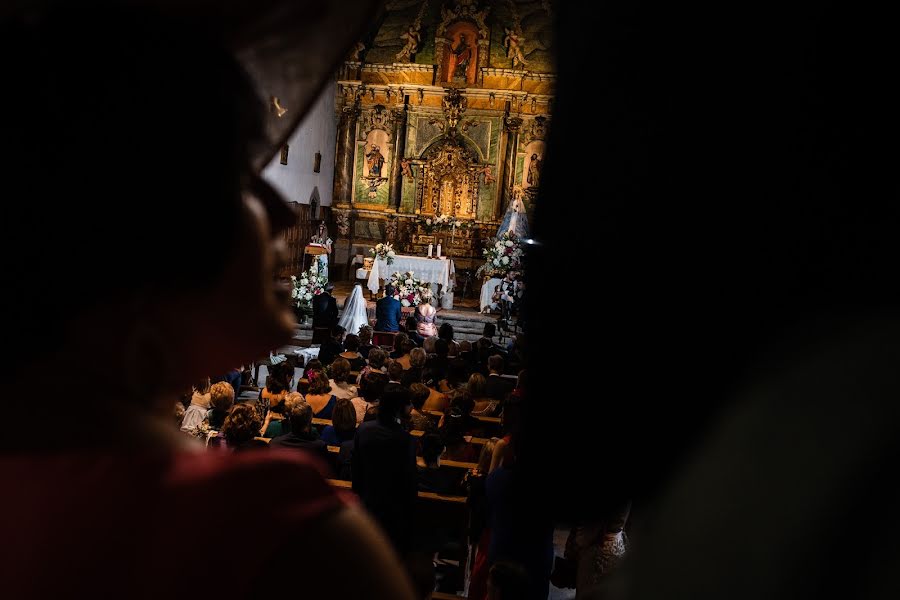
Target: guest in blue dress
[319, 396]
[343, 424]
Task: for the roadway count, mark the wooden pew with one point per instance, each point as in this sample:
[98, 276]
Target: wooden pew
[415, 433]
[491, 420]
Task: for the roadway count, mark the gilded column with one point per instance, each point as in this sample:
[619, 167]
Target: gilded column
[395, 192]
[513, 127]
[484, 48]
[343, 172]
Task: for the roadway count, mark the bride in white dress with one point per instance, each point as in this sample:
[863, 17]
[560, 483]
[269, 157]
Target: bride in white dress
[354, 315]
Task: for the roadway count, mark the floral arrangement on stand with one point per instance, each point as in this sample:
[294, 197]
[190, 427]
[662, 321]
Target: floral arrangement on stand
[409, 290]
[308, 284]
[443, 222]
[384, 251]
[501, 257]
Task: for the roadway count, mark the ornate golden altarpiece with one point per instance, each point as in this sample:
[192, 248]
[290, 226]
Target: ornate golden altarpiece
[443, 110]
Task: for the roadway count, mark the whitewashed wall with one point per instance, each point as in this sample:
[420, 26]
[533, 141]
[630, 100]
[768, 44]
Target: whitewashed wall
[316, 133]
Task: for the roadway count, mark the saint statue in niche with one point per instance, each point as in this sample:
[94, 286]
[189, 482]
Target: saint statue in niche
[513, 42]
[534, 171]
[462, 57]
[375, 161]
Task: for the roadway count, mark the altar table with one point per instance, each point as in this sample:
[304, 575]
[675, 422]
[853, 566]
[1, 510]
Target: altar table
[433, 270]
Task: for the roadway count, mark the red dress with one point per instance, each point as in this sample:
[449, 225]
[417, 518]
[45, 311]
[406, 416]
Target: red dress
[142, 526]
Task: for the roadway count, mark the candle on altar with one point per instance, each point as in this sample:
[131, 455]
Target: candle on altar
[439, 249]
[429, 250]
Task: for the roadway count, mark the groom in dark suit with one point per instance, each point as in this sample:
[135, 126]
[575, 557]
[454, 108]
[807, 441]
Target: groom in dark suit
[324, 307]
[387, 312]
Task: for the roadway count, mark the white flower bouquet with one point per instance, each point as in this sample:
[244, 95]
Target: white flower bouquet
[409, 290]
[501, 256]
[443, 222]
[306, 285]
[384, 251]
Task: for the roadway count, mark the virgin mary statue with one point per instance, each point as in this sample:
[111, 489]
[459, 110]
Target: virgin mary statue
[515, 220]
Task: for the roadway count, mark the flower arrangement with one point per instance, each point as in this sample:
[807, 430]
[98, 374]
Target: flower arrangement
[443, 222]
[202, 430]
[384, 251]
[501, 257]
[307, 285]
[409, 290]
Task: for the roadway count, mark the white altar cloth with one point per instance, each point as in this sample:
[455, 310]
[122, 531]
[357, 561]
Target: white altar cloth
[434, 270]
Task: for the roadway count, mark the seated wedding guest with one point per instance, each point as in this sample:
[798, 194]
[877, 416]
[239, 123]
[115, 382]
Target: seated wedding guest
[445, 332]
[497, 387]
[339, 372]
[515, 354]
[511, 425]
[312, 365]
[456, 379]
[412, 331]
[343, 424]
[333, 346]
[395, 372]
[365, 341]
[351, 353]
[436, 400]
[431, 477]
[437, 364]
[466, 354]
[479, 533]
[416, 369]
[406, 347]
[428, 345]
[370, 390]
[241, 428]
[424, 318]
[460, 411]
[456, 425]
[113, 84]
[384, 468]
[276, 422]
[319, 396]
[196, 412]
[418, 420]
[484, 405]
[278, 384]
[397, 352]
[235, 377]
[377, 360]
[302, 435]
[179, 412]
[221, 397]
[513, 535]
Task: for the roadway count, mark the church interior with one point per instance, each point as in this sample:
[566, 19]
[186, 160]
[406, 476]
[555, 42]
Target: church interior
[450, 299]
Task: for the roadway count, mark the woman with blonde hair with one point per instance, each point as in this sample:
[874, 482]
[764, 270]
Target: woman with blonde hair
[424, 314]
